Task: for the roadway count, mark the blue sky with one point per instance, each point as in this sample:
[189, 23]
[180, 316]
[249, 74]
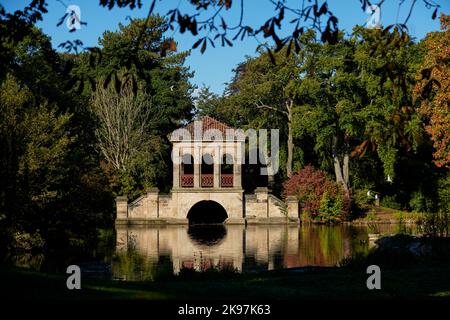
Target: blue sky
[214, 67]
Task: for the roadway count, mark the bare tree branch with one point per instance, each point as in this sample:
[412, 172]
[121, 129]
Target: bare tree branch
[265, 106]
[122, 125]
[410, 11]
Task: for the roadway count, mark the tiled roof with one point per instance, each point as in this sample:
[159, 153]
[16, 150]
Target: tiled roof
[207, 123]
[207, 129]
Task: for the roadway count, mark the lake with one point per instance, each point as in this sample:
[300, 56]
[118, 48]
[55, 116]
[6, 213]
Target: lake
[142, 252]
[136, 253]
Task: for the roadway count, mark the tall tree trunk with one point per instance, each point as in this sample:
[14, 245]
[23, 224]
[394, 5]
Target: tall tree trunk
[340, 172]
[288, 104]
[290, 141]
[345, 169]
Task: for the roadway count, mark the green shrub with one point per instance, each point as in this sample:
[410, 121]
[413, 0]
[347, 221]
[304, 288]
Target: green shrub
[390, 202]
[436, 224]
[371, 216]
[399, 216]
[331, 208]
[420, 203]
[443, 191]
[361, 200]
[408, 216]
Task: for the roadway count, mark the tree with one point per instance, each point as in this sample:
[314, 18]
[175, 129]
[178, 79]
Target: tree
[47, 177]
[432, 91]
[332, 97]
[162, 80]
[268, 93]
[123, 138]
[386, 65]
[208, 103]
[208, 23]
[122, 118]
[361, 100]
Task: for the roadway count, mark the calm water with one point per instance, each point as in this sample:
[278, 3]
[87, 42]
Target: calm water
[143, 252]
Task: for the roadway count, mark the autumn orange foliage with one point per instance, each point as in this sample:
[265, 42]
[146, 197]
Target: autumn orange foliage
[432, 91]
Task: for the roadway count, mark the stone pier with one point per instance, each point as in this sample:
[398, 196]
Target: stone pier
[207, 178]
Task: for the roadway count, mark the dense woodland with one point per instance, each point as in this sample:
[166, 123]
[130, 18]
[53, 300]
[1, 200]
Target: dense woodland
[367, 113]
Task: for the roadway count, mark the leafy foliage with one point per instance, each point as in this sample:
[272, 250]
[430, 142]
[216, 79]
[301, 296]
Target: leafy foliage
[353, 112]
[47, 178]
[432, 90]
[443, 193]
[344, 104]
[132, 67]
[321, 198]
[390, 202]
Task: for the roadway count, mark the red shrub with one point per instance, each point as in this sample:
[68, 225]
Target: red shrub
[309, 185]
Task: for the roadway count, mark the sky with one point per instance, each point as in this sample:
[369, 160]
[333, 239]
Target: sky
[215, 67]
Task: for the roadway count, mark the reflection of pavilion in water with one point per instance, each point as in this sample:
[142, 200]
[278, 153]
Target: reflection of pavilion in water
[240, 247]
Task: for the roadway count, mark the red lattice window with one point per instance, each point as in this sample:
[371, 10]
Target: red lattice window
[187, 180]
[207, 180]
[226, 180]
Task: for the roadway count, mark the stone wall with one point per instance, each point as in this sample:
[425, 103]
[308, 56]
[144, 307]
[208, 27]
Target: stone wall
[263, 207]
[260, 207]
[231, 201]
[166, 209]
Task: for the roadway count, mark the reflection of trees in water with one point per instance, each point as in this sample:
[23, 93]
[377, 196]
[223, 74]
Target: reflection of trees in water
[27, 260]
[251, 248]
[326, 245]
[207, 235]
[208, 264]
[373, 228]
[132, 266]
[131, 242]
[410, 229]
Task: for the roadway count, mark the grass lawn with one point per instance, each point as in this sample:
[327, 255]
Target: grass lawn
[387, 215]
[325, 283]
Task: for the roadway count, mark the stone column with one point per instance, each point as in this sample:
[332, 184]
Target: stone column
[262, 200]
[121, 209]
[262, 194]
[151, 210]
[197, 163]
[292, 207]
[176, 167]
[217, 160]
[237, 166]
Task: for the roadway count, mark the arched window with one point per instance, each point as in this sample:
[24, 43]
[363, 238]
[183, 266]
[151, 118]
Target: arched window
[226, 171]
[226, 166]
[187, 171]
[252, 177]
[188, 164]
[207, 170]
